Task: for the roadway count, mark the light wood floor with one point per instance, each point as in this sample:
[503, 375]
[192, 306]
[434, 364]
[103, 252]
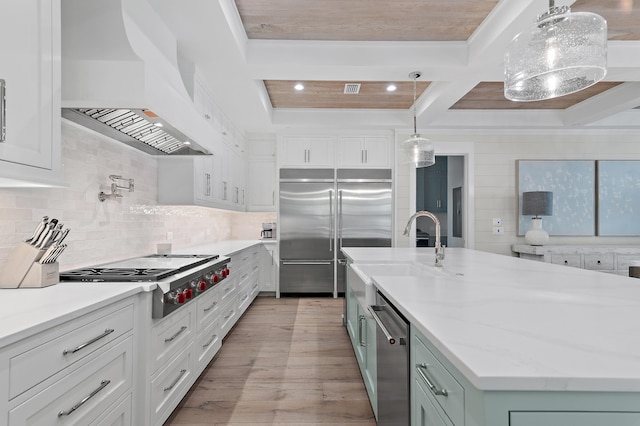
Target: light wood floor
[287, 361]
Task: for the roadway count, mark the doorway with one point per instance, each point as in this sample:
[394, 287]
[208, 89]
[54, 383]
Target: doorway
[439, 189]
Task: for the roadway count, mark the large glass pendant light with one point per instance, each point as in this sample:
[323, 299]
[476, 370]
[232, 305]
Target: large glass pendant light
[418, 150]
[562, 53]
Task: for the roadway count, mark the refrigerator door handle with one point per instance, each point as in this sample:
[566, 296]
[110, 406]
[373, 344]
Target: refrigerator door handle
[340, 218]
[331, 220]
[306, 262]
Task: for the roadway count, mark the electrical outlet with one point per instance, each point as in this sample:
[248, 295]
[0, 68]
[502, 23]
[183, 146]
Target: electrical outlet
[498, 230]
[169, 235]
[497, 221]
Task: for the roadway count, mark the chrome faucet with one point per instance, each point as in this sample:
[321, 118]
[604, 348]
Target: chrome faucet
[438, 246]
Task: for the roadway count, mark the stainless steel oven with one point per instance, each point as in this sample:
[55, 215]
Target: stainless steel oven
[392, 352]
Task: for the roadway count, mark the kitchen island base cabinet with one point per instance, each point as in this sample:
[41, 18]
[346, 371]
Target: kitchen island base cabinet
[467, 405]
[362, 333]
[568, 418]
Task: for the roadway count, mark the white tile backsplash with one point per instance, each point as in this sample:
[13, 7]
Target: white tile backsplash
[114, 229]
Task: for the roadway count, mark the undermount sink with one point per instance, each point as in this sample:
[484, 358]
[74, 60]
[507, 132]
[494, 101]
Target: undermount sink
[365, 271]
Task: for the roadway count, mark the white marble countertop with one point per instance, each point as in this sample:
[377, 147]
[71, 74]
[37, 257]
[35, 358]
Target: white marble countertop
[24, 312]
[569, 249]
[514, 324]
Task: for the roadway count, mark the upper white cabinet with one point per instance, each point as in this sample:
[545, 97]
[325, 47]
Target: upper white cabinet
[364, 151]
[30, 67]
[307, 151]
[262, 175]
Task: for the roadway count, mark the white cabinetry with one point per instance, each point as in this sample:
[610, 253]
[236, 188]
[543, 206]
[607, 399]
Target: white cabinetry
[78, 373]
[30, 66]
[610, 259]
[364, 151]
[307, 151]
[262, 175]
[269, 267]
[187, 180]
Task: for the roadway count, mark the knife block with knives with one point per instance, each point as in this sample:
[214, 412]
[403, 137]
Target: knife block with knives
[33, 262]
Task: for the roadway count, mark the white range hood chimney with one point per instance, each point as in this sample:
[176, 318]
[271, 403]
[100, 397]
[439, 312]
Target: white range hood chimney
[119, 54]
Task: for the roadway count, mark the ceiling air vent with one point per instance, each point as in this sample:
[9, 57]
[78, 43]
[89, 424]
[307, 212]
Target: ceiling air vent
[352, 88]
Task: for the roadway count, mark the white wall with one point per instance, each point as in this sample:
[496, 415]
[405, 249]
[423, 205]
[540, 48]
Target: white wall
[493, 176]
[115, 229]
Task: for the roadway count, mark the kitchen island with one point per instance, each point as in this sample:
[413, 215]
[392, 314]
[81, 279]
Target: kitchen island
[528, 342]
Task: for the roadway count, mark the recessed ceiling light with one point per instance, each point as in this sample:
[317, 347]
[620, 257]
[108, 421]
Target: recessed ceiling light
[157, 124]
[299, 86]
[187, 143]
[391, 88]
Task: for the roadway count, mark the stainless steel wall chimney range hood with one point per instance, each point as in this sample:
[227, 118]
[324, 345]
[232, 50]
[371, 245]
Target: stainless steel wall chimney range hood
[124, 81]
[138, 128]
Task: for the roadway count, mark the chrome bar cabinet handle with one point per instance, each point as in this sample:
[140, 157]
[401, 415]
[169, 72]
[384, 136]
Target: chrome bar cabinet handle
[107, 332]
[422, 371]
[175, 382]
[172, 338]
[103, 384]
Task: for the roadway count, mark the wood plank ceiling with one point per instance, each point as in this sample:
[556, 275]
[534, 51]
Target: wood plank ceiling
[408, 20]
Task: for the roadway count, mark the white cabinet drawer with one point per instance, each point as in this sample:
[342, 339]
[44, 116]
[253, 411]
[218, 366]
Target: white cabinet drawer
[120, 415]
[35, 361]
[208, 344]
[445, 389]
[84, 394]
[208, 308]
[602, 261]
[567, 259]
[244, 300]
[227, 290]
[169, 386]
[228, 316]
[170, 336]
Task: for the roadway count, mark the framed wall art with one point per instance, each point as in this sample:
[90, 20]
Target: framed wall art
[573, 183]
[619, 198]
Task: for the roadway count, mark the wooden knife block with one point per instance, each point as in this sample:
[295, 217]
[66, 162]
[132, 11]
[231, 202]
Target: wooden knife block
[22, 269]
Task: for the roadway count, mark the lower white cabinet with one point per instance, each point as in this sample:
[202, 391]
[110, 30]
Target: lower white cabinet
[611, 259]
[76, 373]
[120, 415]
[269, 267]
[81, 396]
[170, 384]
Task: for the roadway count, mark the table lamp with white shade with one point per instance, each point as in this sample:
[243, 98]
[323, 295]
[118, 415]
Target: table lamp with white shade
[536, 204]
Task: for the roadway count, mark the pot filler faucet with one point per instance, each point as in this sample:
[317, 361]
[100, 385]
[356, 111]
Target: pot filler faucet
[438, 246]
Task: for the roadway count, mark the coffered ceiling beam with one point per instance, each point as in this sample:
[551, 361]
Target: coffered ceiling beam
[621, 98]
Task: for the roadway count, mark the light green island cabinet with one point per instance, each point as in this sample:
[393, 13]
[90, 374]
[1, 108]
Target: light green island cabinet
[442, 396]
[362, 332]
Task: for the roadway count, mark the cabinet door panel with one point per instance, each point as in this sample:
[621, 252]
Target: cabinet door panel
[525, 418]
[377, 152]
[262, 185]
[27, 67]
[350, 151]
[99, 385]
[424, 411]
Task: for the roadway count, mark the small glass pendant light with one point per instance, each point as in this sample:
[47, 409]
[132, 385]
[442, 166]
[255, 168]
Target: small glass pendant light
[418, 150]
[562, 53]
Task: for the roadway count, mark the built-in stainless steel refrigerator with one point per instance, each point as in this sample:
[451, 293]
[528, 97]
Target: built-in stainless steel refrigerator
[323, 210]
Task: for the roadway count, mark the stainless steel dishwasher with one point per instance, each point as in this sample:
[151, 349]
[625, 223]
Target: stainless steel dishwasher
[392, 352]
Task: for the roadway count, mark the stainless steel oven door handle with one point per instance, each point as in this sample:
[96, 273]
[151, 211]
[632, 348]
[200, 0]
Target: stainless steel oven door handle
[372, 310]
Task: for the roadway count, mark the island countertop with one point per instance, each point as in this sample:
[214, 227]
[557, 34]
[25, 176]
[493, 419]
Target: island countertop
[512, 324]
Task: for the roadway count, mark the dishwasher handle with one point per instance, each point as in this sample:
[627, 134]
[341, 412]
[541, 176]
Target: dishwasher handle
[373, 310]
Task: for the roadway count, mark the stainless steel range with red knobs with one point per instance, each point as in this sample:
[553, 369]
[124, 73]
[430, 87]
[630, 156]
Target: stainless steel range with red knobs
[180, 277]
